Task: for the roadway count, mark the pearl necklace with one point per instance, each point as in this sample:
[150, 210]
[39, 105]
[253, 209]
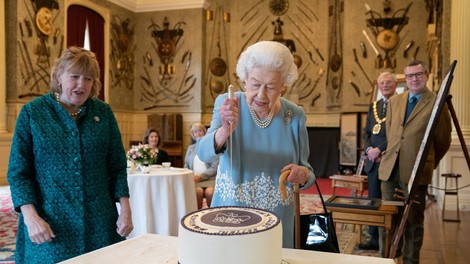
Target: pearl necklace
[72, 114]
[262, 123]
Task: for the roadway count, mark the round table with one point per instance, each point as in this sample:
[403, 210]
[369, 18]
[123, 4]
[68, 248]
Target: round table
[160, 198]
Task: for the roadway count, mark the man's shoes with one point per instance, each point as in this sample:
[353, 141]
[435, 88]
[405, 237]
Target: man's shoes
[368, 246]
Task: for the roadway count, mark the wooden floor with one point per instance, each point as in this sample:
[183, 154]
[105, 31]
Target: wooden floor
[445, 242]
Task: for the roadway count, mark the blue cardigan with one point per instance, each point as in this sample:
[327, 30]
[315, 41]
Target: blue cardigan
[258, 157]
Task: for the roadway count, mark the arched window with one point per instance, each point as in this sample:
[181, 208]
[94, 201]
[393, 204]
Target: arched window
[84, 24]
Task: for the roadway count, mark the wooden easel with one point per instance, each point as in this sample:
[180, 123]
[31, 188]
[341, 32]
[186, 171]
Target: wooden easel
[399, 231]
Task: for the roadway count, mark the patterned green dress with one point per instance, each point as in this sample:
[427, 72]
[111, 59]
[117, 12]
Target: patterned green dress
[73, 172]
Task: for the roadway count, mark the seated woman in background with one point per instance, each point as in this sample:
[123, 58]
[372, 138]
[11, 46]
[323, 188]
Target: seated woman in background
[204, 173]
[152, 138]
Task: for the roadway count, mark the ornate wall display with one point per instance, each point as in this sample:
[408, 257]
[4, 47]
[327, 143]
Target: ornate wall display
[293, 23]
[39, 38]
[161, 85]
[217, 77]
[386, 31]
[334, 78]
[122, 54]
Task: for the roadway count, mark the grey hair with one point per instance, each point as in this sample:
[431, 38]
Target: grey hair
[391, 74]
[271, 55]
[197, 125]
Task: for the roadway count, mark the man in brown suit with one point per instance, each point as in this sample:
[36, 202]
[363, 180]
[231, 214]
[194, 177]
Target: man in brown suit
[406, 123]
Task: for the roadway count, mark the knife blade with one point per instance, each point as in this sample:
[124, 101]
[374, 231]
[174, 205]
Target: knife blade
[407, 48]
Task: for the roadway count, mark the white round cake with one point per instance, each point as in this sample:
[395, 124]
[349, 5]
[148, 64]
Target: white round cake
[230, 235]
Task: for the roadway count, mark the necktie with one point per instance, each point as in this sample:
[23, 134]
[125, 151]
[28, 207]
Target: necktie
[411, 105]
[384, 108]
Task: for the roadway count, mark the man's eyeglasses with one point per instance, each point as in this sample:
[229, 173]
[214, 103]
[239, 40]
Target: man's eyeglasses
[410, 76]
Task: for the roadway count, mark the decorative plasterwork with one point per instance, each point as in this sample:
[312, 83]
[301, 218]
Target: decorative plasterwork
[138, 6]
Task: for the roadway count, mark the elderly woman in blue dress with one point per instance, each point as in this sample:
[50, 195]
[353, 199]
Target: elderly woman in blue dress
[268, 136]
[67, 167]
[204, 172]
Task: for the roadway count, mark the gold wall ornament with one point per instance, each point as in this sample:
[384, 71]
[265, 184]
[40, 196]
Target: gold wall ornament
[167, 40]
[227, 17]
[44, 21]
[387, 39]
[209, 15]
[122, 55]
[278, 7]
[163, 85]
[387, 32]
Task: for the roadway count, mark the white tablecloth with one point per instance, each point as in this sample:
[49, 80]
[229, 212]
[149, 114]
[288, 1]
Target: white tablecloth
[158, 249]
[159, 200]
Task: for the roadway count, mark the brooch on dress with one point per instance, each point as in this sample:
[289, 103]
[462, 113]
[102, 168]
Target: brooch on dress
[288, 117]
[97, 119]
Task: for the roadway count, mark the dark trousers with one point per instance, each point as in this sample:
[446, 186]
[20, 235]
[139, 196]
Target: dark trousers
[413, 232]
[374, 191]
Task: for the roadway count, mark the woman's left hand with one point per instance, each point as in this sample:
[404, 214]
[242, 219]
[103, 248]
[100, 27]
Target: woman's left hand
[124, 222]
[197, 178]
[298, 174]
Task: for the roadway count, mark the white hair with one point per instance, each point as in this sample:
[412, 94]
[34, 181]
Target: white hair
[271, 55]
[384, 74]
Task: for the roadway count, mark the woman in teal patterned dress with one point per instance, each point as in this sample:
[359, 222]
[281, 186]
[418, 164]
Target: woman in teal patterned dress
[67, 167]
[268, 135]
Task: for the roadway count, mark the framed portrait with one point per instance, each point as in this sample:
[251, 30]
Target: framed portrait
[348, 139]
[353, 202]
[401, 87]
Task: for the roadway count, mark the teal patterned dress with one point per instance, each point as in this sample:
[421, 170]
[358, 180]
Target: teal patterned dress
[73, 172]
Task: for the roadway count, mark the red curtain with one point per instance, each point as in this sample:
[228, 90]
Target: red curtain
[77, 17]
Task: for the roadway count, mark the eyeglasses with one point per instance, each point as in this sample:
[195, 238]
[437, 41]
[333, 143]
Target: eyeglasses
[418, 75]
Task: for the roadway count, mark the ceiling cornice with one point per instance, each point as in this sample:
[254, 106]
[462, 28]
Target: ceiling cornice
[139, 6]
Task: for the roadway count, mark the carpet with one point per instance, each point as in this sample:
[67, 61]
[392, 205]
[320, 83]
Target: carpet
[309, 204]
[8, 227]
[347, 234]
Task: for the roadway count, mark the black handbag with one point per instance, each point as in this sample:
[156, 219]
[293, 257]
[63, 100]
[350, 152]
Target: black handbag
[317, 231]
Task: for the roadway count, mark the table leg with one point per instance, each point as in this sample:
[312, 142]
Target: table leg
[387, 242]
[360, 234]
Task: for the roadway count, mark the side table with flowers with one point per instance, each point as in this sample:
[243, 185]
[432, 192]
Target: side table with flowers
[141, 156]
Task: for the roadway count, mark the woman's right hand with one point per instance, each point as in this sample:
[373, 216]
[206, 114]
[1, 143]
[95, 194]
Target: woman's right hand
[229, 113]
[39, 230]
[229, 116]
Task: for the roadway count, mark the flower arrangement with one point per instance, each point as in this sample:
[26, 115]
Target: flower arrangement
[142, 154]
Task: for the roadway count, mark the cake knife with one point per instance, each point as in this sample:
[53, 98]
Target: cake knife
[230, 96]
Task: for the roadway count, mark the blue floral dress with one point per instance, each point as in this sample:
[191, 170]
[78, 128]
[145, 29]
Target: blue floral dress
[258, 155]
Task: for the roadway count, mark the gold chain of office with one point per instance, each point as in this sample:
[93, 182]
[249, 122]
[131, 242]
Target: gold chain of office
[376, 129]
